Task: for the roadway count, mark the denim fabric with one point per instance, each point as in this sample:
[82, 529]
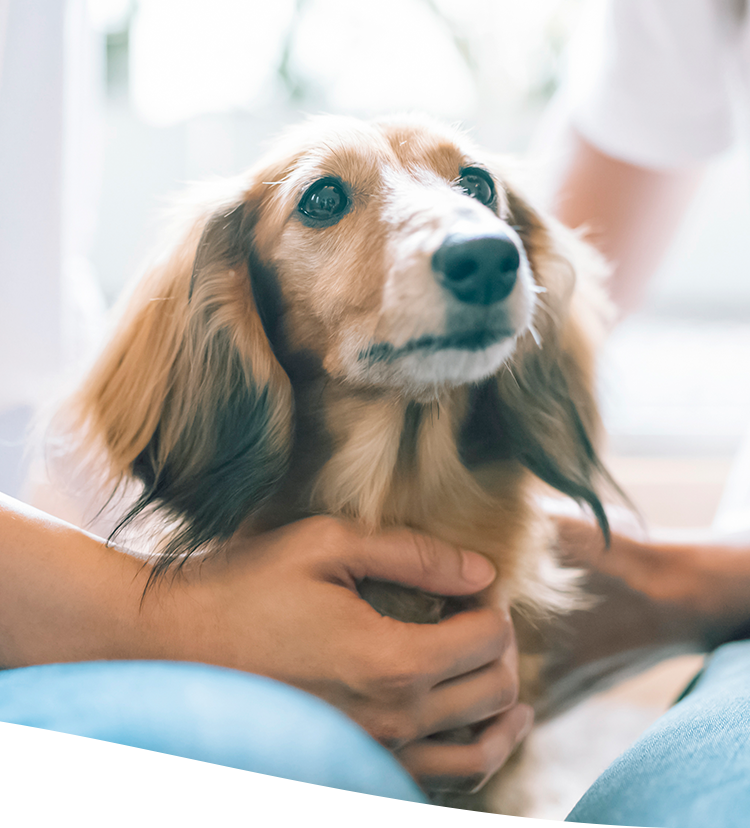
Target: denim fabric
[691, 769]
[206, 713]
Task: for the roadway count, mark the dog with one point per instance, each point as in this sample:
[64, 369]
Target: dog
[371, 323]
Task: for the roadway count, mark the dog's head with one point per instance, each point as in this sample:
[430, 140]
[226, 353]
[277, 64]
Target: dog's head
[393, 255]
[394, 250]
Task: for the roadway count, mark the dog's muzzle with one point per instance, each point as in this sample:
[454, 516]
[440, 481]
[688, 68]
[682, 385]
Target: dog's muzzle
[477, 270]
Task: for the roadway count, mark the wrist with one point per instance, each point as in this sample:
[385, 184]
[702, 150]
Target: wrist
[176, 620]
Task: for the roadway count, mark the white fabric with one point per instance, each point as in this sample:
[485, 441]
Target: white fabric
[30, 199]
[51, 307]
[4, 9]
[49, 146]
[653, 81]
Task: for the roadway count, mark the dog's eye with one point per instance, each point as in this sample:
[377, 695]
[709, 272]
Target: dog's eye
[478, 184]
[325, 201]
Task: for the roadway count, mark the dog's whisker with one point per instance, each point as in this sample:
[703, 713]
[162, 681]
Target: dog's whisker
[548, 310]
[535, 336]
[507, 367]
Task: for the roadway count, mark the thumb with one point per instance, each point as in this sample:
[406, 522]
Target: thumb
[416, 560]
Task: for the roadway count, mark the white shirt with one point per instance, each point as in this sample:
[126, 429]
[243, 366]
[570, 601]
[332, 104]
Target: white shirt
[656, 82]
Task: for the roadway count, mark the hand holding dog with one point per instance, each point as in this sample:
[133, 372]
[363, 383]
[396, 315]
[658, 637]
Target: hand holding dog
[285, 605]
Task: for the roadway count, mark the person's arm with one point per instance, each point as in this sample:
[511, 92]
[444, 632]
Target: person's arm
[695, 571]
[629, 213]
[655, 597]
[283, 605]
[66, 596]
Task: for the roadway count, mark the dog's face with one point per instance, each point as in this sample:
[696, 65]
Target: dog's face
[396, 257]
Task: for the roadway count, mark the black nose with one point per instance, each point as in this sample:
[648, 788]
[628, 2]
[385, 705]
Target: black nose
[478, 270]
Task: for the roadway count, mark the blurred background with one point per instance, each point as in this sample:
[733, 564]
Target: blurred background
[107, 107]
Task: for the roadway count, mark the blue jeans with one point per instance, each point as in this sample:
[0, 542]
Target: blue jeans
[691, 769]
[206, 713]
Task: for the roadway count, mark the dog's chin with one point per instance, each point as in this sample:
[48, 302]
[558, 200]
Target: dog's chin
[423, 374]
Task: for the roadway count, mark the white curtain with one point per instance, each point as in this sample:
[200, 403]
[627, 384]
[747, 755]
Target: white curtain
[50, 69]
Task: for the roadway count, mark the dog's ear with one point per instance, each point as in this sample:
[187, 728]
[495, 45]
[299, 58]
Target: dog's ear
[189, 398]
[548, 407]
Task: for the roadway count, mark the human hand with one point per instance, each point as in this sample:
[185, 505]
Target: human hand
[284, 604]
[655, 597]
[692, 569]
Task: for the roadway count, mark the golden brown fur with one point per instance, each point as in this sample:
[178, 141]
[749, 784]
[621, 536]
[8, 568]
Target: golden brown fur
[252, 377]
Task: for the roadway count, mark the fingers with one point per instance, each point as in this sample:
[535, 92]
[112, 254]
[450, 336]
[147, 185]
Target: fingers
[419, 657]
[406, 557]
[442, 766]
[474, 697]
[401, 681]
[463, 643]
[422, 679]
[579, 540]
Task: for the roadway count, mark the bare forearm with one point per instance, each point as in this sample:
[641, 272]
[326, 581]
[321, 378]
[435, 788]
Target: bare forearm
[630, 213]
[66, 596]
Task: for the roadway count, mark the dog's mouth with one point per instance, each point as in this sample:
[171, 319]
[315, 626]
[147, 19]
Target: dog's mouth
[472, 341]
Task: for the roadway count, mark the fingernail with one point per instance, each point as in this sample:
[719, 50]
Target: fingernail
[476, 569]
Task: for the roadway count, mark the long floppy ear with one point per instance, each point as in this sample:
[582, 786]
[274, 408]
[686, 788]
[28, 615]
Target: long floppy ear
[189, 398]
[547, 406]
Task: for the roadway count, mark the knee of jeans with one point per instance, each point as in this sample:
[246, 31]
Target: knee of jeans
[690, 769]
[224, 749]
[234, 718]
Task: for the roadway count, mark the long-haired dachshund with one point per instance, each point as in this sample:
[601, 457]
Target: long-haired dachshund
[371, 323]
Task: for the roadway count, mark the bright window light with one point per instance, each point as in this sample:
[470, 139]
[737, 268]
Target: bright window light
[188, 57]
[449, 58]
